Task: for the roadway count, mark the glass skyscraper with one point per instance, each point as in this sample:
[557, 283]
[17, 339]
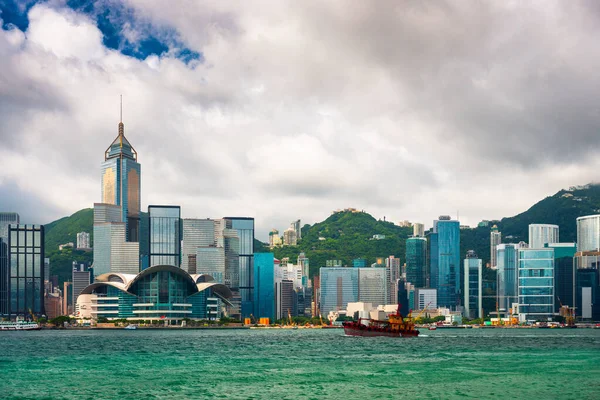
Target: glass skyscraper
[445, 261]
[22, 283]
[416, 259]
[196, 233]
[507, 275]
[536, 284]
[121, 182]
[245, 232]
[164, 235]
[339, 286]
[264, 285]
[473, 285]
[7, 218]
[372, 285]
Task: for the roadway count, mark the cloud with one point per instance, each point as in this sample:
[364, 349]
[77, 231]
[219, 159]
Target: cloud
[408, 110]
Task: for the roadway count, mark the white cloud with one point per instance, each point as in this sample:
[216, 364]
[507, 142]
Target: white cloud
[408, 111]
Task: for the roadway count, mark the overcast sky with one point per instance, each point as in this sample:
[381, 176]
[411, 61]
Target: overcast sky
[290, 109]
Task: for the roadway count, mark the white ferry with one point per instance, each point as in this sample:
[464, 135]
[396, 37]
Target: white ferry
[19, 326]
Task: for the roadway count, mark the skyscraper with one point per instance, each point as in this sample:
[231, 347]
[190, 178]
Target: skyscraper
[289, 237]
[588, 233]
[372, 285]
[164, 235]
[196, 233]
[495, 240]
[564, 274]
[81, 279]
[7, 218]
[297, 227]
[244, 226]
[264, 285]
[22, 287]
[473, 285]
[536, 284]
[393, 272]
[507, 256]
[541, 234]
[418, 229]
[338, 286]
[416, 259]
[210, 260]
[121, 182]
[445, 261]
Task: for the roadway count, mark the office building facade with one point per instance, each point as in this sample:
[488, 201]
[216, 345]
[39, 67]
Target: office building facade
[196, 233]
[542, 234]
[495, 240]
[22, 264]
[588, 233]
[244, 226]
[6, 219]
[264, 285]
[416, 261]
[473, 289]
[121, 182]
[536, 284]
[338, 287]
[507, 285]
[83, 240]
[297, 227]
[80, 278]
[164, 242]
[564, 274]
[445, 261]
[372, 286]
[211, 260]
[424, 298]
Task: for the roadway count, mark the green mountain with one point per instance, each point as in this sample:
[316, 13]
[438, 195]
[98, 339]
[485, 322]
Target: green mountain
[346, 235]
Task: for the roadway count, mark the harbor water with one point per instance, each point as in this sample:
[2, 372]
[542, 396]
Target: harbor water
[303, 363]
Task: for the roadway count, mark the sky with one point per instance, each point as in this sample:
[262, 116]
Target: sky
[285, 110]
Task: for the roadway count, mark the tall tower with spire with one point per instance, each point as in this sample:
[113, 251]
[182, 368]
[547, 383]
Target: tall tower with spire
[121, 181]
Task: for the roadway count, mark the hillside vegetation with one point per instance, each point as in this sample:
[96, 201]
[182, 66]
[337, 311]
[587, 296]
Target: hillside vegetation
[349, 235]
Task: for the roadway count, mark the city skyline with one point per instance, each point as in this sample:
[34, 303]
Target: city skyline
[216, 122]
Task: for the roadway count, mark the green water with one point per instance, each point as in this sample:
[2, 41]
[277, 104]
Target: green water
[290, 364]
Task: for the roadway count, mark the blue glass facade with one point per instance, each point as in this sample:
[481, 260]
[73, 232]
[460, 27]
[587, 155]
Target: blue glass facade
[536, 284]
[245, 230]
[416, 259]
[339, 286]
[264, 285]
[507, 279]
[473, 286]
[445, 262]
[164, 235]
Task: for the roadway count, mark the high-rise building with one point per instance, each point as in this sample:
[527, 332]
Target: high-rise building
[83, 240]
[22, 281]
[393, 273]
[7, 218]
[416, 261]
[297, 227]
[81, 279]
[196, 233]
[338, 286]
[564, 274]
[588, 233]
[495, 240]
[46, 270]
[304, 265]
[289, 237]
[536, 284]
[285, 299]
[164, 235]
[244, 226]
[372, 286]
[418, 230]
[507, 256]
[473, 285]
[445, 261]
[112, 253]
[264, 285]
[541, 234]
[588, 294]
[274, 239]
[210, 260]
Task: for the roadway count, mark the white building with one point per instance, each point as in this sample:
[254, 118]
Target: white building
[426, 299]
[83, 240]
[540, 234]
[588, 233]
[418, 230]
[495, 240]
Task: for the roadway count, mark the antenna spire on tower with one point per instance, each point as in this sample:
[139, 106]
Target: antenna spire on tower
[121, 119]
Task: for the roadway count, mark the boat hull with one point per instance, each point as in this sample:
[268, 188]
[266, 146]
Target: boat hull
[367, 332]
